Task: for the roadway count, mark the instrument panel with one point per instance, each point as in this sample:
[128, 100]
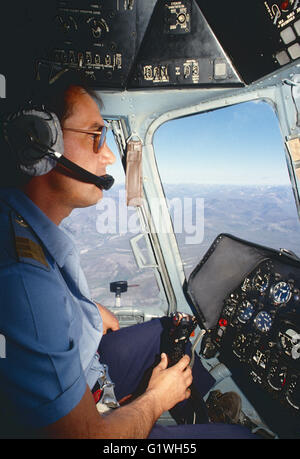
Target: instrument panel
[131, 44]
[258, 338]
[268, 34]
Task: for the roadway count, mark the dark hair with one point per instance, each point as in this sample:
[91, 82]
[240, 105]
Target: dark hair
[52, 93]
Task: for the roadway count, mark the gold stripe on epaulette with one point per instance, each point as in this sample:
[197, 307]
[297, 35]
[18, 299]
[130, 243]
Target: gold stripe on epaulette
[21, 221]
[26, 248]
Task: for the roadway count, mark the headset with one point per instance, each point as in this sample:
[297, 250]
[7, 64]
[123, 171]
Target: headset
[35, 137]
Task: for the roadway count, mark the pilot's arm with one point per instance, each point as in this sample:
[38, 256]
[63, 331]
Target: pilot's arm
[42, 383]
[109, 320]
[167, 387]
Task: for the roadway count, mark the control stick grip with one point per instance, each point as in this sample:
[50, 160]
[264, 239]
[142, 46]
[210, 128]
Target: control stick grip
[182, 327]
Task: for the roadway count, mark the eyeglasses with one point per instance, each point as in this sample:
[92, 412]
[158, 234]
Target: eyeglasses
[99, 136]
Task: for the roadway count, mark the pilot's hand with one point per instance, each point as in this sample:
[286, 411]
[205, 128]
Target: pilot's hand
[110, 321]
[171, 385]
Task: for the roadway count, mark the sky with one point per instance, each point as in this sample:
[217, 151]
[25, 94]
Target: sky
[238, 145]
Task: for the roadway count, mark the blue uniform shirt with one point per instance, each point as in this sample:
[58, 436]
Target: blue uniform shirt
[52, 330]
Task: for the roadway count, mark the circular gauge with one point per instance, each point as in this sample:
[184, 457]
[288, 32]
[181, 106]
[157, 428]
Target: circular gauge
[261, 282]
[289, 341]
[281, 292]
[277, 377]
[229, 308]
[293, 392]
[245, 311]
[241, 345]
[263, 321]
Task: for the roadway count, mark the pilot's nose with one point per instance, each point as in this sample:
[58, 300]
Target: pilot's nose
[107, 155]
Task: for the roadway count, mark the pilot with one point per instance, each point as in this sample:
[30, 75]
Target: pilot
[63, 375]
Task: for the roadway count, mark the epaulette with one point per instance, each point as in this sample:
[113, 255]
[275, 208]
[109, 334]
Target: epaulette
[28, 247]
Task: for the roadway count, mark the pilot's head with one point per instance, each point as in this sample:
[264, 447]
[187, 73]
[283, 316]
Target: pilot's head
[84, 142]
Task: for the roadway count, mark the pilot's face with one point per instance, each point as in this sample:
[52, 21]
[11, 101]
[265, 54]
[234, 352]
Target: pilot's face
[79, 147]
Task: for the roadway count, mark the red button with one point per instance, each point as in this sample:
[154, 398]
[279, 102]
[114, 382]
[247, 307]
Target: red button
[223, 323]
[284, 5]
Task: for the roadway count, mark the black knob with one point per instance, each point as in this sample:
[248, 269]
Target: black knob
[118, 287]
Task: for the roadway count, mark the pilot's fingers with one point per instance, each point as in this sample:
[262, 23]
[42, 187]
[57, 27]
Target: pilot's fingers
[183, 362]
[188, 377]
[163, 364]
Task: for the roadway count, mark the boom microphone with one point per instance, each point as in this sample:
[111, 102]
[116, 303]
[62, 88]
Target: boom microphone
[104, 182]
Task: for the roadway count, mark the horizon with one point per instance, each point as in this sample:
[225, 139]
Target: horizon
[265, 185]
[239, 144]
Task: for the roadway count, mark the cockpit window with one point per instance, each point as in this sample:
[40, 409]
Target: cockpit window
[225, 171]
[102, 235]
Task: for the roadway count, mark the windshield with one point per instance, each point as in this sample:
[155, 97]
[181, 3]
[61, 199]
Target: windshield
[225, 171]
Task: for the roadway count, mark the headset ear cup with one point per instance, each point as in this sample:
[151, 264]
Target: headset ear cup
[25, 133]
[31, 134]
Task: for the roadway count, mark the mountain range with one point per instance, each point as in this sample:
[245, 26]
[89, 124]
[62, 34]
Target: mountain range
[265, 215]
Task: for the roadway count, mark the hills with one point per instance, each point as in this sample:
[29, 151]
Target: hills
[262, 214]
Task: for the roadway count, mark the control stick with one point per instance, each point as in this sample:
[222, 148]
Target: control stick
[183, 326]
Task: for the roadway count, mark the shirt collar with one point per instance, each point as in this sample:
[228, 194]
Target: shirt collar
[58, 244]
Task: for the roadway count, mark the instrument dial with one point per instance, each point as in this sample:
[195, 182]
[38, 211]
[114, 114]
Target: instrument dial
[98, 27]
[245, 311]
[263, 321]
[229, 308]
[289, 341]
[241, 345]
[277, 377]
[261, 282]
[281, 293]
[292, 395]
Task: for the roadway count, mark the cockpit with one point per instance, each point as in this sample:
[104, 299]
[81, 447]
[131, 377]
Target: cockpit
[203, 105]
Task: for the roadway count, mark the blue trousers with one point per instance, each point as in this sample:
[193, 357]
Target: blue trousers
[132, 352]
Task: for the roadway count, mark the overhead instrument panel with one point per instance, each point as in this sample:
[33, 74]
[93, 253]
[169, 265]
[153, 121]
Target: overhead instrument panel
[179, 49]
[96, 37]
[260, 37]
[126, 43]
[135, 44]
[138, 44]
